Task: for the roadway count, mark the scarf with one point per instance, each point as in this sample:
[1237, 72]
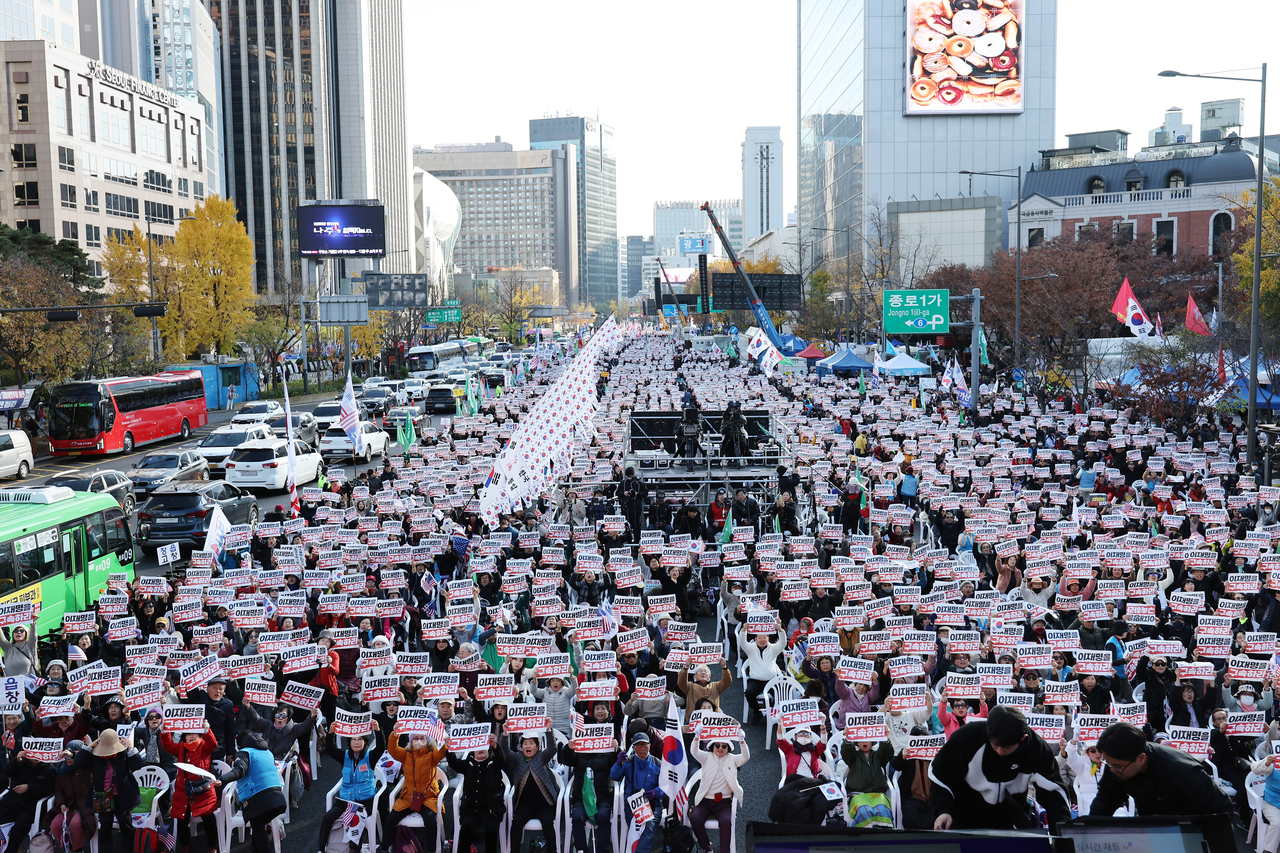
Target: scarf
[109, 778]
[153, 749]
[920, 785]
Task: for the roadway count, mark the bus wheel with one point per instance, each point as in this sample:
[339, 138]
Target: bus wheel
[186, 429]
[127, 446]
[23, 469]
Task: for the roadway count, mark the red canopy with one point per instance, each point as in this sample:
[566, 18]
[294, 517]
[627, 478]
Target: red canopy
[811, 352]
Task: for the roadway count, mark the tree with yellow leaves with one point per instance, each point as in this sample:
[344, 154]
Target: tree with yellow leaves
[212, 257]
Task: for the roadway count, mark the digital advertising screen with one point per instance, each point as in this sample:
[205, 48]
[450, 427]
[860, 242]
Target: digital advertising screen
[341, 230]
[965, 56]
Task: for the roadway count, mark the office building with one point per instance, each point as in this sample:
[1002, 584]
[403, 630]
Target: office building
[278, 147]
[93, 151]
[762, 180]
[518, 208]
[597, 176]
[671, 219]
[875, 131]
[637, 248]
[367, 115]
[56, 21]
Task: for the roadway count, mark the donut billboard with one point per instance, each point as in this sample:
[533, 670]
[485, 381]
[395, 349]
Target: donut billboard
[964, 56]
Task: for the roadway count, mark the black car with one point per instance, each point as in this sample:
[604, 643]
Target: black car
[305, 428]
[104, 481]
[181, 512]
[377, 399]
[167, 466]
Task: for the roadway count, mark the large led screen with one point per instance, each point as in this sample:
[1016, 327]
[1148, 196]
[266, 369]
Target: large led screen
[341, 230]
[965, 56]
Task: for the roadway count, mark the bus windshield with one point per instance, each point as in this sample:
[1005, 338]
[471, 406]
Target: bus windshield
[73, 411]
[423, 359]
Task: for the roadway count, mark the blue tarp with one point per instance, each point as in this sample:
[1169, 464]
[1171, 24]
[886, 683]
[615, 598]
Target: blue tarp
[842, 359]
[1236, 395]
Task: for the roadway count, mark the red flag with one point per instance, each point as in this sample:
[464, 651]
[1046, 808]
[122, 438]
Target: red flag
[1222, 370]
[1127, 310]
[1195, 320]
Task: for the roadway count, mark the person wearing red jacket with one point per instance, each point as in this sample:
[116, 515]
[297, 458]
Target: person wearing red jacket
[326, 678]
[196, 750]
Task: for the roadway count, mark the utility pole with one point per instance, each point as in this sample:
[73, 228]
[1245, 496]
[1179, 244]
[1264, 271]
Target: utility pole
[976, 351]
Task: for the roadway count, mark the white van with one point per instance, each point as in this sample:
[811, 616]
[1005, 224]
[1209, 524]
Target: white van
[16, 458]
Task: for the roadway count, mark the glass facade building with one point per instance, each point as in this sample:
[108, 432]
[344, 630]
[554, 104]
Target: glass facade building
[862, 157]
[597, 200]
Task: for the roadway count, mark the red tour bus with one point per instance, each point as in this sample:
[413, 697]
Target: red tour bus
[116, 415]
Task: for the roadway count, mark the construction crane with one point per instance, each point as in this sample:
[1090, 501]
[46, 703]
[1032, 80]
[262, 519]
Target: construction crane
[757, 307]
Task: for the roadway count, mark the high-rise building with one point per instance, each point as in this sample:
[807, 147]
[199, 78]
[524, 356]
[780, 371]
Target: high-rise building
[597, 190]
[637, 248]
[275, 77]
[762, 180]
[875, 145]
[56, 22]
[671, 219]
[437, 223]
[171, 43]
[518, 208]
[94, 151]
[369, 138]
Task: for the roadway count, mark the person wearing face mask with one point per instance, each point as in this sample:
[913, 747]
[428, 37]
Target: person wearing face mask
[1245, 697]
[420, 792]
[803, 751]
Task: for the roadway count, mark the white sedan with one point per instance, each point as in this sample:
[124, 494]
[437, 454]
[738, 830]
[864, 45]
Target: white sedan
[334, 444]
[264, 464]
[254, 413]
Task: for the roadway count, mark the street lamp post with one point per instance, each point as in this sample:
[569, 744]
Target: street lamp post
[1017, 263]
[1252, 436]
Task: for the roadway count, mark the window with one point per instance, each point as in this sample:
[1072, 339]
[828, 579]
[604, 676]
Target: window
[122, 205]
[97, 540]
[1124, 230]
[1097, 186]
[26, 194]
[1221, 225]
[1175, 180]
[118, 234]
[24, 108]
[70, 231]
[117, 530]
[66, 159]
[46, 26]
[1133, 186]
[68, 195]
[91, 200]
[38, 556]
[197, 190]
[184, 187]
[162, 213]
[1035, 237]
[28, 224]
[23, 155]
[68, 35]
[1088, 228]
[92, 235]
[1165, 237]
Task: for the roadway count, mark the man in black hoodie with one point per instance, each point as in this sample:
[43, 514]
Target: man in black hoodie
[981, 775]
[483, 805]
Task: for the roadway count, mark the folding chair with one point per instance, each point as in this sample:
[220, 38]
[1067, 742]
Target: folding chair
[562, 814]
[690, 788]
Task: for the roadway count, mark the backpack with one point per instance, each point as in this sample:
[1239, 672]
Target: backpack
[42, 842]
[146, 841]
[678, 837]
[407, 840]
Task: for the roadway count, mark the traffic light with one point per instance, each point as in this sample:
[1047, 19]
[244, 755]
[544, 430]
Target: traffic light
[69, 315]
[151, 309]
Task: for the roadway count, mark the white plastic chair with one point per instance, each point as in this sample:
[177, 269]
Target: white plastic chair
[689, 788]
[371, 824]
[562, 815]
[1124, 811]
[414, 818]
[619, 822]
[895, 798]
[775, 693]
[1253, 788]
[148, 777]
[46, 805]
[457, 810]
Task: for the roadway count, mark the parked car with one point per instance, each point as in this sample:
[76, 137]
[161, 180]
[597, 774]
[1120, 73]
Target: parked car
[327, 414]
[377, 399]
[181, 512]
[442, 398]
[217, 445]
[391, 423]
[265, 464]
[334, 444]
[170, 466]
[399, 393]
[252, 413]
[304, 427]
[502, 346]
[16, 458]
[107, 481]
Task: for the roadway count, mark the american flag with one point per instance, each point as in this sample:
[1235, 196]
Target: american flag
[605, 612]
[579, 725]
[74, 652]
[350, 816]
[435, 728]
[349, 420]
[162, 831]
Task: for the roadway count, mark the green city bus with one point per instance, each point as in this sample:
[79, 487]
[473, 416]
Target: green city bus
[57, 548]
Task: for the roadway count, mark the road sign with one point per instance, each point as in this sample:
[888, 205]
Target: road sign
[733, 330]
[453, 303]
[1018, 375]
[914, 312]
[428, 326]
[444, 315]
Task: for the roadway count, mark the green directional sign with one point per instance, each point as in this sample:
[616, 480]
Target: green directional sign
[452, 303]
[917, 312]
[443, 315]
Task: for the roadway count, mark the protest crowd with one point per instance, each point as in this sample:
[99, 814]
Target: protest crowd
[1061, 608]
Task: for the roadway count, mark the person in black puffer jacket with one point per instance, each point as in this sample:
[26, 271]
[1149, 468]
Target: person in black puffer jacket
[599, 764]
[801, 800]
[483, 805]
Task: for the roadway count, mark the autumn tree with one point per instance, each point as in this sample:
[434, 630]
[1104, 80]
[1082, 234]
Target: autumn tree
[1242, 259]
[213, 259]
[516, 294]
[28, 341]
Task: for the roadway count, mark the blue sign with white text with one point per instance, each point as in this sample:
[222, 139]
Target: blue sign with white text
[693, 245]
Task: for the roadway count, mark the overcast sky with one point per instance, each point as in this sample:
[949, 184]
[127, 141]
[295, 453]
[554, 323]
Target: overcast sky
[680, 81]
